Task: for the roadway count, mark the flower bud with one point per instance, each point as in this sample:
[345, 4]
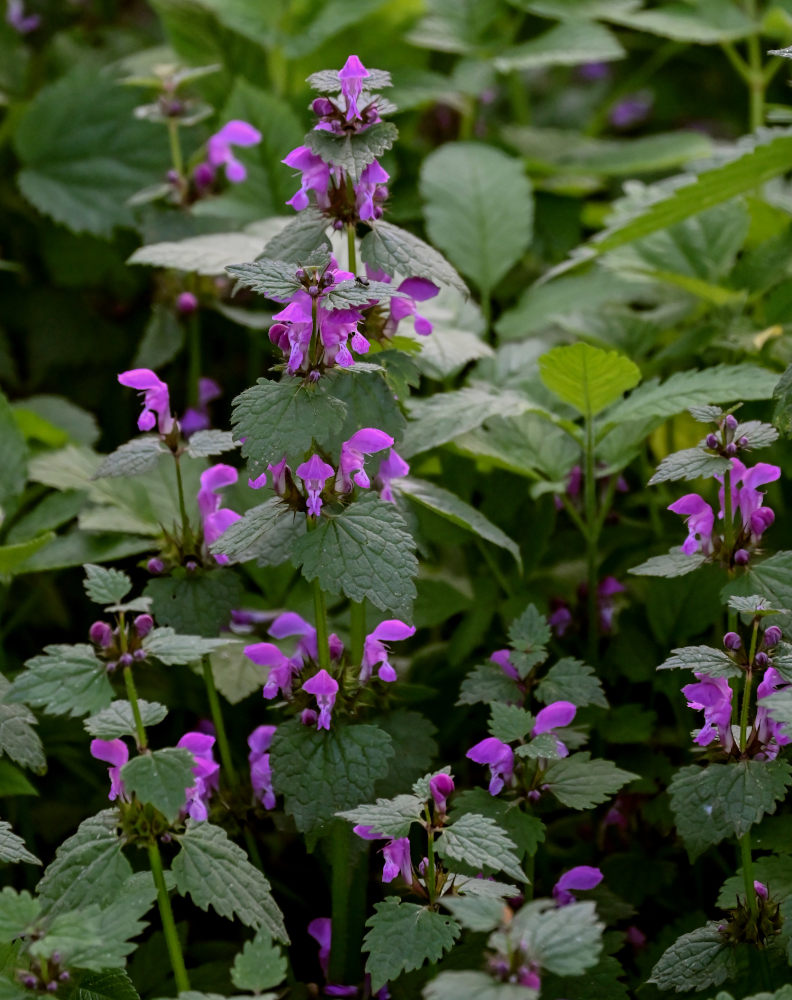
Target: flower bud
[186, 303]
[139, 654]
[308, 717]
[57, 958]
[761, 519]
[65, 976]
[30, 981]
[279, 336]
[441, 786]
[173, 177]
[732, 641]
[761, 660]
[742, 557]
[743, 442]
[191, 565]
[101, 634]
[760, 889]
[327, 280]
[322, 107]
[313, 291]
[712, 441]
[203, 175]
[338, 224]
[143, 625]
[730, 422]
[300, 274]
[52, 986]
[155, 566]
[772, 636]
[111, 665]
[731, 449]
[125, 660]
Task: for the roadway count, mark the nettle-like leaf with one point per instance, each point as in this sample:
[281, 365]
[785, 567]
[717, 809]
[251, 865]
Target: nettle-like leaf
[18, 738]
[704, 660]
[479, 841]
[414, 748]
[284, 418]
[118, 720]
[772, 577]
[132, 458]
[18, 910]
[691, 463]
[260, 965]
[475, 913]
[396, 251]
[207, 254]
[758, 433]
[205, 444]
[172, 649]
[365, 552]
[353, 152]
[195, 605]
[89, 867]
[215, 872]
[486, 683]
[276, 279]
[565, 44]
[566, 941]
[695, 961]
[113, 984]
[675, 563]
[321, 773]
[265, 533]
[724, 800]
[544, 746]
[391, 817]
[579, 782]
[572, 680]
[403, 936]
[525, 830]
[587, 377]
[64, 680]
[510, 722]
[756, 606]
[12, 847]
[162, 778]
[301, 237]
[474, 986]
[104, 585]
[236, 675]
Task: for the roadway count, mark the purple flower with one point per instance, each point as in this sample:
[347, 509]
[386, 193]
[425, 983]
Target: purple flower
[156, 401]
[503, 659]
[397, 860]
[760, 889]
[218, 148]
[115, 753]
[186, 303]
[259, 742]
[700, 522]
[314, 474]
[325, 688]
[770, 732]
[196, 418]
[591, 71]
[321, 930]
[370, 191]
[351, 77]
[581, 877]
[290, 624]
[101, 634]
[19, 21]
[440, 787]
[772, 637]
[282, 669]
[367, 441]
[316, 175]
[561, 618]
[732, 641]
[376, 652]
[713, 696]
[392, 467]
[416, 290]
[606, 591]
[631, 110]
[554, 716]
[216, 519]
[205, 771]
[143, 624]
[500, 758]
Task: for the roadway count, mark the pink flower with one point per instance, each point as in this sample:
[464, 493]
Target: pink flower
[325, 688]
[314, 474]
[216, 519]
[367, 441]
[500, 758]
[115, 753]
[233, 133]
[376, 652]
[156, 401]
[700, 522]
[392, 467]
[259, 742]
[581, 877]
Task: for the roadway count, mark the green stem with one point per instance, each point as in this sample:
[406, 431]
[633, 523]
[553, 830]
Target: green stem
[467, 119]
[175, 147]
[252, 849]
[746, 697]
[728, 515]
[320, 615]
[219, 725]
[140, 729]
[313, 349]
[351, 248]
[592, 537]
[518, 98]
[747, 867]
[195, 363]
[168, 923]
[187, 539]
[357, 631]
[431, 877]
[495, 569]
[340, 861]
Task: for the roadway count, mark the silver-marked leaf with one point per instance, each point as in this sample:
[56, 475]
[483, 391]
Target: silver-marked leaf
[696, 960]
[756, 606]
[474, 986]
[161, 778]
[704, 660]
[274, 278]
[353, 152]
[117, 719]
[105, 585]
[674, 563]
[479, 841]
[12, 847]
[133, 458]
[205, 444]
[691, 463]
[475, 913]
[169, 648]
[581, 783]
[391, 817]
[265, 533]
[565, 940]
[63, 680]
[398, 252]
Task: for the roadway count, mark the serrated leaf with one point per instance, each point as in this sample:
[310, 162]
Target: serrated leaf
[215, 872]
[402, 937]
[133, 458]
[260, 965]
[756, 606]
[171, 649]
[509, 722]
[475, 913]
[723, 800]
[691, 463]
[205, 444]
[365, 552]
[298, 239]
[565, 940]
[398, 252]
[487, 683]
[265, 533]
[449, 506]
[12, 847]
[758, 433]
[89, 866]
[161, 778]
[704, 660]
[414, 749]
[275, 279]
[18, 739]
[283, 418]
[18, 910]
[113, 984]
[566, 44]
[208, 254]
[530, 632]
[582, 783]
[117, 719]
[63, 680]
[320, 773]
[474, 986]
[483, 221]
[391, 817]
[196, 605]
[479, 841]
[525, 830]
[674, 563]
[587, 377]
[105, 585]
[572, 680]
[236, 675]
[709, 22]
[353, 152]
[696, 960]
[542, 747]
[772, 577]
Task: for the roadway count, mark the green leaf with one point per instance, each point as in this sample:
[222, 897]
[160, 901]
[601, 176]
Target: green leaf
[474, 913]
[172, 649]
[365, 552]
[106, 586]
[369, 400]
[771, 577]
[708, 22]
[355, 151]
[704, 660]
[586, 377]
[235, 675]
[14, 558]
[163, 338]
[565, 940]
[483, 221]
[449, 506]
[113, 984]
[209, 254]
[525, 830]
[567, 44]
[544, 747]
[265, 533]
[13, 457]
[63, 680]
[205, 444]
[12, 847]
[474, 986]
[509, 722]
[402, 937]
[486, 683]
[133, 458]
[18, 739]
[691, 463]
[117, 719]
[161, 778]
[321, 773]
[755, 606]
[675, 563]
[396, 251]
[82, 176]
[530, 632]
[195, 605]
[18, 910]
[283, 418]
[298, 239]
[13, 782]
[723, 800]
[782, 397]
[414, 750]
[215, 872]
[479, 841]
[89, 866]
[391, 817]
[273, 278]
[572, 680]
[260, 964]
[582, 783]
[696, 960]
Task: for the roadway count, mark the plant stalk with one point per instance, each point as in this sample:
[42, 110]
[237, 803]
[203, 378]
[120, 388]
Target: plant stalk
[187, 536]
[351, 252]
[340, 861]
[168, 923]
[357, 631]
[175, 147]
[217, 720]
[747, 867]
[592, 538]
[140, 729]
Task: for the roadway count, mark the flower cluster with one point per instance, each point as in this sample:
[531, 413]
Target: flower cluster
[119, 647]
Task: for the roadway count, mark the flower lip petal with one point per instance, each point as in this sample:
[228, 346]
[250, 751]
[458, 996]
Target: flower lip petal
[289, 624]
[114, 752]
[392, 630]
[559, 713]
[265, 654]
